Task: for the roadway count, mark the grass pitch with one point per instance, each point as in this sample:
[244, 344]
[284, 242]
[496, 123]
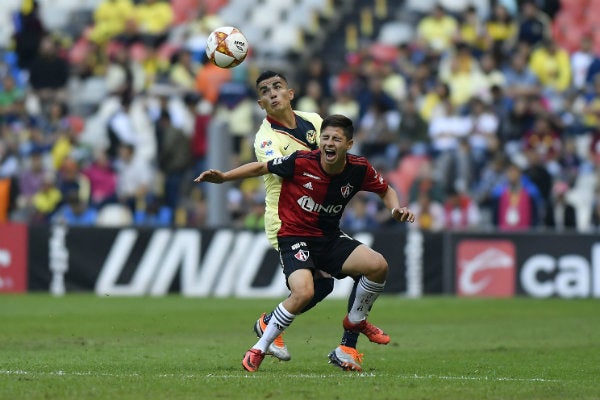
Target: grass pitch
[88, 347]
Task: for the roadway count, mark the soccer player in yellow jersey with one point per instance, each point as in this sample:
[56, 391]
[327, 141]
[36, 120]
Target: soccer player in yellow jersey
[282, 132]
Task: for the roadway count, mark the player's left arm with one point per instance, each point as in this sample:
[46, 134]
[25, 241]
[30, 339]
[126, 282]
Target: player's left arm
[391, 201]
[249, 170]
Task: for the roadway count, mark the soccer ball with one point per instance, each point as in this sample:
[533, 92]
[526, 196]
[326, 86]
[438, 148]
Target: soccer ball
[226, 47]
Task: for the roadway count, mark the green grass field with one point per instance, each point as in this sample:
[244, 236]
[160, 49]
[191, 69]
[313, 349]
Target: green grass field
[87, 347]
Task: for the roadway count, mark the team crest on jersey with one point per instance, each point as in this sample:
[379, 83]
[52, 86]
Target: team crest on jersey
[265, 143]
[302, 255]
[346, 190]
[311, 136]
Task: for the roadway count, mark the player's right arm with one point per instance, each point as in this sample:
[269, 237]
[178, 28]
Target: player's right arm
[249, 170]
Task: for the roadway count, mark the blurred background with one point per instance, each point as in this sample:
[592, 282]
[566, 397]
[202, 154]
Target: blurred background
[482, 114]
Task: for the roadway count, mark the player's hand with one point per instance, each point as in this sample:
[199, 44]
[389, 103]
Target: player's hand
[403, 214]
[212, 176]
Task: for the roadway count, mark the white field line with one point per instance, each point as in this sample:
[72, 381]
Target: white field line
[296, 376]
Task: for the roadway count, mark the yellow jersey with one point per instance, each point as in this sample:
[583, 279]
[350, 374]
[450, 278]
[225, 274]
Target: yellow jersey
[273, 140]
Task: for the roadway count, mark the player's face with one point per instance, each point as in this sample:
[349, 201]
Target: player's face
[334, 145]
[274, 95]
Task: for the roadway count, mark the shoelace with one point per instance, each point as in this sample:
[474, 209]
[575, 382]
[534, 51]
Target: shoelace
[356, 356]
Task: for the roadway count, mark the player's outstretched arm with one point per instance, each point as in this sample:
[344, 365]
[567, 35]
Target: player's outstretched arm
[249, 170]
[401, 214]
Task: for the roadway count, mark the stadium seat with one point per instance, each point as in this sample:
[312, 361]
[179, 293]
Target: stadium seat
[396, 33]
[420, 6]
[283, 38]
[114, 215]
[184, 9]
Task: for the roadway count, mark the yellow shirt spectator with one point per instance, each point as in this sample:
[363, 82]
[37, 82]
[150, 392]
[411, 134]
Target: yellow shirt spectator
[551, 65]
[437, 30]
[154, 16]
[110, 18]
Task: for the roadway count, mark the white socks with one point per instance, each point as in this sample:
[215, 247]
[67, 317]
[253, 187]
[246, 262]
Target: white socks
[366, 293]
[279, 321]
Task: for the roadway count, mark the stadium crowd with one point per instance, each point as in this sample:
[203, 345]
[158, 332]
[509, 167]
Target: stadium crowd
[479, 122]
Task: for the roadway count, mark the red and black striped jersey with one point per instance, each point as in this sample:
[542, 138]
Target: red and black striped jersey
[311, 202]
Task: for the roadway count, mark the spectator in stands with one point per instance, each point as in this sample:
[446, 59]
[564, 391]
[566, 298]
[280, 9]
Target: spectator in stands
[174, 154]
[544, 139]
[235, 107]
[102, 178]
[436, 30]
[591, 107]
[9, 94]
[360, 215]
[155, 214]
[483, 137]
[343, 103]
[429, 213]
[124, 75]
[462, 72]
[570, 163]
[316, 69]
[520, 119]
[134, 178]
[70, 180]
[153, 18]
[502, 30]
[552, 66]
[581, 60]
[66, 145]
[426, 182]
[434, 100]
[109, 19]
[49, 72]
[472, 30]
[31, 179]
[560, 214]
[75, 212]
[312, 100]
[516, 201]
[490, 177]
[448, 133]
[460, 211]
[412, 135]
[538, 172]
[122, 127]
[393, 83]
[46, 200]
[520, 80]
[209, 80]
[183, 71]
[492, 75]
[376, 137]
[533, 24]
[255, 218]
[29, 32]
[9, 163]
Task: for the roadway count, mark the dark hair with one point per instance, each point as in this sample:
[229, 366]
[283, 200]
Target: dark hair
[339, 121]
[269, 74]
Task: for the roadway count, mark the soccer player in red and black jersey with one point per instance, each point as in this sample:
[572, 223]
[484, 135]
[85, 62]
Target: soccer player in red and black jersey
[317, 185]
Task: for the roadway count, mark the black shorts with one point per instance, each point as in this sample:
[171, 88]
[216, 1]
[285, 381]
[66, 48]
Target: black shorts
[325, 253]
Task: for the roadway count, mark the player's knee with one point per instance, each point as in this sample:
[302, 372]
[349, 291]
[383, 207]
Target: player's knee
[304, 294]
[379, 266]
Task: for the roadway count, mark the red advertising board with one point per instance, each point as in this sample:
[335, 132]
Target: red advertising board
[485, 268]
[13, 258]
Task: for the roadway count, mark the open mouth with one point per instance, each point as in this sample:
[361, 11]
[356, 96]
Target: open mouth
[329, 155]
